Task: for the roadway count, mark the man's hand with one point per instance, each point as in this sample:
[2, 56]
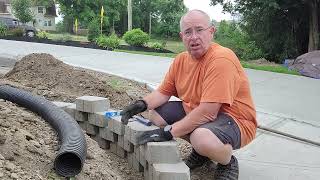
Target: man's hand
[157, 135]
[133, 109]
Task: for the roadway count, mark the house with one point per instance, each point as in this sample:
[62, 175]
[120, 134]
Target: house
[44, 17]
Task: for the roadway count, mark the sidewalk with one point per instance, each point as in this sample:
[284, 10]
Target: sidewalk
[284, 102]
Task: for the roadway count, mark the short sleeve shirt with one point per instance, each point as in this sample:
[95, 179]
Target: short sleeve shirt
[218, 77]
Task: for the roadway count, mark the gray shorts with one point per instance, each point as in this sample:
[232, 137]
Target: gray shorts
[224, 127]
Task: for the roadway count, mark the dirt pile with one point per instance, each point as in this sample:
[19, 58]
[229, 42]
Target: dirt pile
[55, 80]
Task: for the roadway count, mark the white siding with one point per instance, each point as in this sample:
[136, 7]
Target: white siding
[41, 22]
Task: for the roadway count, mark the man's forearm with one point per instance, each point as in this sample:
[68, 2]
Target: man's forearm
[202, 114]
[155, 99]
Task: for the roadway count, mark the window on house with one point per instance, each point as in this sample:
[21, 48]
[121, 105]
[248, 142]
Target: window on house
[47, 23]
[40, 10]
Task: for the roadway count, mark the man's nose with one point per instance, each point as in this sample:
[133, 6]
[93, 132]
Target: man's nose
[194, 35]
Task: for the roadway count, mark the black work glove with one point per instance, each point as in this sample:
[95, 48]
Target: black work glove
[133, 109]
[157, 135]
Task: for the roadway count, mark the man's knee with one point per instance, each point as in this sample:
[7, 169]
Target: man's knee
[204, 140]
[156, 118]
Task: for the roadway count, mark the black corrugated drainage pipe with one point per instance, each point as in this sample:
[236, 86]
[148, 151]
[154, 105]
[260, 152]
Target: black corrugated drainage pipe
[72, 153]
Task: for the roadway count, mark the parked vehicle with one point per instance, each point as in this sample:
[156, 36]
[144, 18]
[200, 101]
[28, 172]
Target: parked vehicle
[12, 23]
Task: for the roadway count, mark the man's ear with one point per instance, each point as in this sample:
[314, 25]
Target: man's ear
[213, 29]
[181, 35]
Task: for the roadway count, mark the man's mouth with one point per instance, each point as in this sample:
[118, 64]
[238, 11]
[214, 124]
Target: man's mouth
[195, 45]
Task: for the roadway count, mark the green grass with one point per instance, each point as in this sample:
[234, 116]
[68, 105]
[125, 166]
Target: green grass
[72, 37]
[174, 46]
[277, 69]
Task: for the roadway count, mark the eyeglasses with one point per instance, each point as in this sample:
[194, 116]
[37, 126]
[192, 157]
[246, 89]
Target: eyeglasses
[198, 31]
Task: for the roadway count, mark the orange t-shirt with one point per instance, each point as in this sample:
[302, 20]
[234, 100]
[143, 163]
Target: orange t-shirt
[218, 77]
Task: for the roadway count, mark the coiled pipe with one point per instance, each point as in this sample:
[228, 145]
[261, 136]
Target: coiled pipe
[72, 153]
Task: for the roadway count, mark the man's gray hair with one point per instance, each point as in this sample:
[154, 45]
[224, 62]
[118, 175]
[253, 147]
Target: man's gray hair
[196, 10]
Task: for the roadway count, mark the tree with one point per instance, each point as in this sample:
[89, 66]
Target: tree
[22, 10]
[281, 28]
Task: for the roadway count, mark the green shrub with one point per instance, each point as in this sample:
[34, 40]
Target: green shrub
[157, 46]
[231, 35]
[3, 29]
[93, 30]
[60, 27]
[102, 41]
[136, 37]
[42, 35]
[17, 32]
[111, 41]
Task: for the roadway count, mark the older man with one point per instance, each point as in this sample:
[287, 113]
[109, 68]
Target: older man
[216, 113]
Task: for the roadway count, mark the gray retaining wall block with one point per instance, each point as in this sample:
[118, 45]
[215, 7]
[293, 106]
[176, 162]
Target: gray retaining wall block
[162, 152]
[98, 119]
[62, 105]
[136, 129]
[80, 116]
[178, 171]
[91, 129]
[104, 144]
[92, 104]
[106, 134]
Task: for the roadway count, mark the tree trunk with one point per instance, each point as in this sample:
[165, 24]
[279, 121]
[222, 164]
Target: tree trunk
[68, 24]
[112, 30]
[313, 25]
[149, 23]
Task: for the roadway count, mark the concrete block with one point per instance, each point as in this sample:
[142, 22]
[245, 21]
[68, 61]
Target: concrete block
[178, 171]
[127, 133]
[106, 134]
[104, 144]
[142, 157]
[113, 148]
[62, 105]
[136, 165]
[83, 125]
[130, 159]
[98, 119]
[120, 141]
[91, 129]
[80, 116]
[92, 104]
[71, 110]
[148, 172]
[117, 126]
[136, 129]
[162, 152]
[136, 150]
[127, 145]
[121, 152]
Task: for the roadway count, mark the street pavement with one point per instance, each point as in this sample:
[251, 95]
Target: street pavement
[286, 103]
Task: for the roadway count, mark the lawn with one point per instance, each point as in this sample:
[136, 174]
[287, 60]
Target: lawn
[176, 46]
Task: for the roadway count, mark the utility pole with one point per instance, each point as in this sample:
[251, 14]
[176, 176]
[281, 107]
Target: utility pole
[129, 15]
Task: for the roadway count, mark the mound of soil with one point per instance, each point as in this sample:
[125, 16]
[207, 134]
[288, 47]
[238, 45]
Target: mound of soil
[55, 80]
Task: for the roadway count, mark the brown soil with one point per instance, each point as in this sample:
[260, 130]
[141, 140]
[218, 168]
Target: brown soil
[28, 144]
